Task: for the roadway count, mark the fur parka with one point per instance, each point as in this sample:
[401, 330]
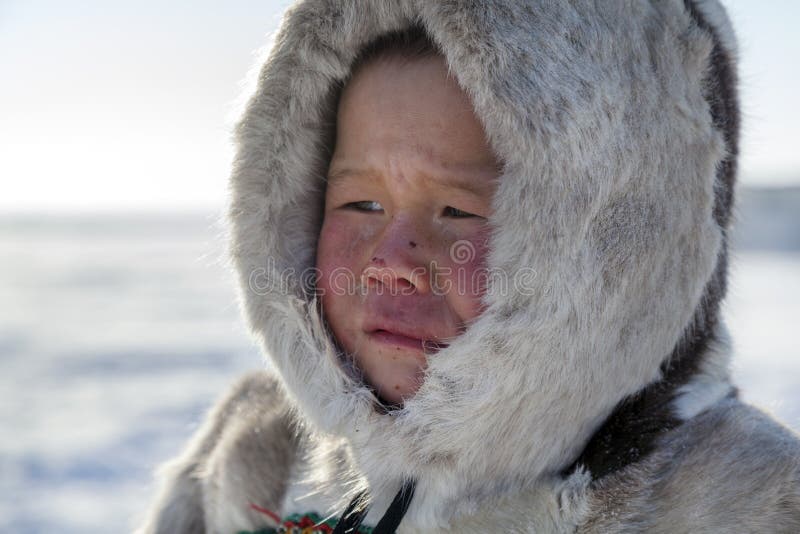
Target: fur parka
[593, 393]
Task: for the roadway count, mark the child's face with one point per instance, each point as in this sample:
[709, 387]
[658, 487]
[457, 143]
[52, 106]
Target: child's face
[403, 240]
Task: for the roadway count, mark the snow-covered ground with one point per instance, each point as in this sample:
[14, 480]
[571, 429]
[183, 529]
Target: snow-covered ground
[116, 334]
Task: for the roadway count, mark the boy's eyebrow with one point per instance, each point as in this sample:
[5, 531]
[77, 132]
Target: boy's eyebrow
[486, 174]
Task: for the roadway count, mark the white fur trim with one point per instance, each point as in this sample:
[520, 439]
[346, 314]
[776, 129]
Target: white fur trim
[597, 110]
[712, 383]
[718, 18]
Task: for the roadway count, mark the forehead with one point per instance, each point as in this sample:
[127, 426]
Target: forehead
[476, 181]
[396, 108]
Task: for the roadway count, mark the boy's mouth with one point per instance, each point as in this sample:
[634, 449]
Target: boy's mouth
[397, 340]
[402, 338]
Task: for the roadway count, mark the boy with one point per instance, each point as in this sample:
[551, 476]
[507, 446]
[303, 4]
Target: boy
[410, 178]
[583, 154]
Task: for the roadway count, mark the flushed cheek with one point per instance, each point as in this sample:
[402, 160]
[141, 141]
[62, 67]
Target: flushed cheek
[341, 247]
[467, 274]
[339, 257]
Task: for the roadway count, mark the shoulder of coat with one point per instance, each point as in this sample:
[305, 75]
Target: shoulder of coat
[730, 468]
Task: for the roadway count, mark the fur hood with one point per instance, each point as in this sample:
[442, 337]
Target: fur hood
[617, 126]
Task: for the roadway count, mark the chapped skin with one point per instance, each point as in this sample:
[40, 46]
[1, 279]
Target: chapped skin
[595, 396]
[411, 165]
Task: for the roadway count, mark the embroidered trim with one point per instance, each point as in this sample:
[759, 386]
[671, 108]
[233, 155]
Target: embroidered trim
[309, 523]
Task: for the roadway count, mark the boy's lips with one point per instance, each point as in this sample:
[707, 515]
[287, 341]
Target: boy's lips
[401, 337]
[397, 340]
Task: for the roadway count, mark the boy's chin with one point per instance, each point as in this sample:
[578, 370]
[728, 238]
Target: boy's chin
[397, 382]
[395, 399]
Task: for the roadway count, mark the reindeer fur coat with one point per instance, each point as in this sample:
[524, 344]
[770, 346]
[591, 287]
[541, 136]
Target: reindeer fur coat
[598, 399]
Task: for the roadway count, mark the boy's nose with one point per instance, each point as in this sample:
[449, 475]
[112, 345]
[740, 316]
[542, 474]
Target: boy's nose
[398, 264]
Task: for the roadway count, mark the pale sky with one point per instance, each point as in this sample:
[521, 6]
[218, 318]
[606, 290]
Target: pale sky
[109, 105]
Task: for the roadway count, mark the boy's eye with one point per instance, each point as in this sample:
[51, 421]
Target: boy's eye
[450, 211]
[364, 205]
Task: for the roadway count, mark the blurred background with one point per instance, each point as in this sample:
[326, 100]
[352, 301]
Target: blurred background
[118, 322]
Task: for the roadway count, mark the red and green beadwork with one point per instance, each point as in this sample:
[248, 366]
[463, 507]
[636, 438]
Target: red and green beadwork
[309, 523]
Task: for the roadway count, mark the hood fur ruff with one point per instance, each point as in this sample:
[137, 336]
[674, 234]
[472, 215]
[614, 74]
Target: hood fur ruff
[609, 223]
